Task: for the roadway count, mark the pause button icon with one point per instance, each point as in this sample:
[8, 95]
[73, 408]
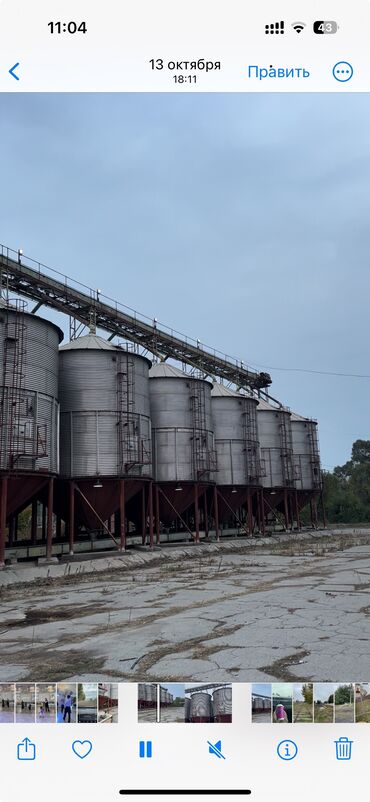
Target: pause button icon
[145, 749]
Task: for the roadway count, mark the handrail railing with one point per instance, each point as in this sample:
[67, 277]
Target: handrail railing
[48, 286]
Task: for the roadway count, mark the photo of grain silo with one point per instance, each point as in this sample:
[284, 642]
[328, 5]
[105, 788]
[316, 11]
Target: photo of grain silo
[108, 702]
[7, 698]
[282, 703]
[303, 703]
[172, 703]
[147, 701]
[261, 703]
[208, 703]
[344, 703]
[323, 708]
[362, 702]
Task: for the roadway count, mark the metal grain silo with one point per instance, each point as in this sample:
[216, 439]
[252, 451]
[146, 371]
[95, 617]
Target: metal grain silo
[106, 434]
[306, 457]
[29, 417]
[183, 445]
[148, 694]
[153, 693]
[141, 696]
[223, 704]
[237, 451]
[200, 707]
[276, 449]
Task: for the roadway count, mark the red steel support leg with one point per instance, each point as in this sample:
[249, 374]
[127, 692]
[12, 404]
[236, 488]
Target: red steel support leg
[122, 515]
[143, 517]
[286, 509]
[151, 527]
[315, 517]
[258, 510]
[3, 505]
[263, 511]
[49, 534]
[206, 527]
[34, 523]
[71, 518]
[297, 511]
[196, 508]
[43, 523]
[250, 514]
[216, 513]
[157, 518]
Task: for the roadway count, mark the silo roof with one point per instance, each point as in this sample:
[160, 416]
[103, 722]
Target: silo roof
[163, 370]
[265, 406]
[295, 417]
[219, 390]
[89, 342]
[13, 310]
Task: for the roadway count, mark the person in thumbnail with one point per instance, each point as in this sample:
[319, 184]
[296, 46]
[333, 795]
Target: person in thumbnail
[42, 711]
[67, 708]
[46, 706]
[280, 714]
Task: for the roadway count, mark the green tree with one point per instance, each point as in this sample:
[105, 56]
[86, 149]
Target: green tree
[307, 693]
[346, 490]
[344, 695]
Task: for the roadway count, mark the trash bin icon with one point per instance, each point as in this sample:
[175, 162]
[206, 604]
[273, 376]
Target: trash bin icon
[343, 748]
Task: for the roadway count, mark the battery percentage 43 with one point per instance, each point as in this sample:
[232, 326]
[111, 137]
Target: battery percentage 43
[325, 26]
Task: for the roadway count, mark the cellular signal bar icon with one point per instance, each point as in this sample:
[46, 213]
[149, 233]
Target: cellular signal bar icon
[275, 27]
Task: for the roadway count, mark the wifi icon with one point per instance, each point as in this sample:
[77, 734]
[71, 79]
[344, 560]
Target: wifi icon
[298, 27]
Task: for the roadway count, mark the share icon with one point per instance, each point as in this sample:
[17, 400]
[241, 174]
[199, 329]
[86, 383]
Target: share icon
[215, 749]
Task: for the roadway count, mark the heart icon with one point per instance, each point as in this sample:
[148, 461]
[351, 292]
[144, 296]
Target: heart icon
[82, 748]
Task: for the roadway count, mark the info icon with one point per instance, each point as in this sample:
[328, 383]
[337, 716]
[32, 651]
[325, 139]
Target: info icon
[287, 750]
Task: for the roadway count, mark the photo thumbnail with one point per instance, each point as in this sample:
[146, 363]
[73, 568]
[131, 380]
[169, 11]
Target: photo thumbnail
[185, 703]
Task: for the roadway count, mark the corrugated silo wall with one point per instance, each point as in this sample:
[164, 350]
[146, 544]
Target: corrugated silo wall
[30, 410]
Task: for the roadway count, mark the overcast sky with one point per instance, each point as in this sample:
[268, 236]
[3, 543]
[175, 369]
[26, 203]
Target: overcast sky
[239, 219]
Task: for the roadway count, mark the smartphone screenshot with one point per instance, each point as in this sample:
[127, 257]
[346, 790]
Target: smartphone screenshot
[184, 400]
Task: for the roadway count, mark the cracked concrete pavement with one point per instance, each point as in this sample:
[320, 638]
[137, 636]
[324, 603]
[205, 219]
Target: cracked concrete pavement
[294, 608]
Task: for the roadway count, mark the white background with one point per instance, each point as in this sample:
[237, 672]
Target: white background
[123, 36]
[181, 758]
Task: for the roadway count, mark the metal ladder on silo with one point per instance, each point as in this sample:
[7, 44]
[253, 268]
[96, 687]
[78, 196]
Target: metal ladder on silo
[315, 456]
[125, 412]
[286, 451]
[200, 446]
[251, 443]
[12, 438]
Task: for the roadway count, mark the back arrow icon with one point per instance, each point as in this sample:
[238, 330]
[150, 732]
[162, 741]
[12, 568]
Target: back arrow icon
[12, 71]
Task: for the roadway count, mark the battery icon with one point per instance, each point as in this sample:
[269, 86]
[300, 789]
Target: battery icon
[325, 26]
